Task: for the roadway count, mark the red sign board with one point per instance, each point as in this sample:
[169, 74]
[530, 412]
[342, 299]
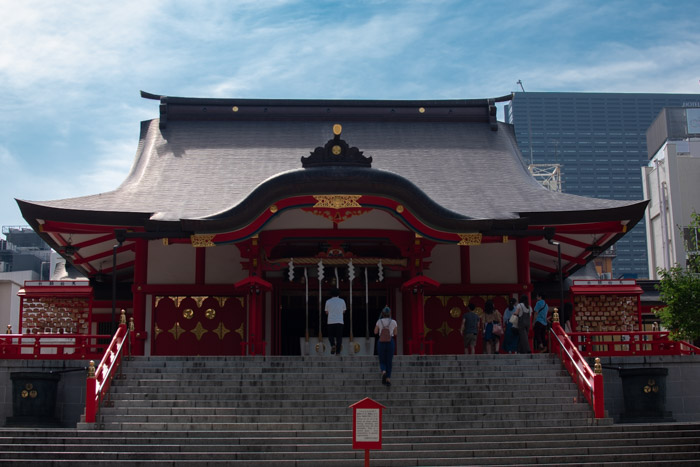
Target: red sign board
[367, 424]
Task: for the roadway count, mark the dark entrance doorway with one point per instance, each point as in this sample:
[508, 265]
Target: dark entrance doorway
[292, 317]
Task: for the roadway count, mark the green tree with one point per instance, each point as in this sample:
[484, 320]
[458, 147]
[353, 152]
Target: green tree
[679, 289]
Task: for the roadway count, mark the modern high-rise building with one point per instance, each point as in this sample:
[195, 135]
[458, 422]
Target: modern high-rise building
[599, 140]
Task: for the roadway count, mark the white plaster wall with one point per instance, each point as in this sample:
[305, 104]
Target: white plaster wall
[445, 267]
[375, 219]
[298, 219]
[223, 265]
[170, 264]
[493, 263]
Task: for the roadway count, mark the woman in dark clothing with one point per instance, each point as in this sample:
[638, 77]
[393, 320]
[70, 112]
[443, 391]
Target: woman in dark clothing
[510, 339]
[524, 313]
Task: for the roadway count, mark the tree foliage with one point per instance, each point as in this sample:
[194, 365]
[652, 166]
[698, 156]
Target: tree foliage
[679, 289]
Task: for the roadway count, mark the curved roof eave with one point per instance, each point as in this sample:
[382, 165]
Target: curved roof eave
[345, 181]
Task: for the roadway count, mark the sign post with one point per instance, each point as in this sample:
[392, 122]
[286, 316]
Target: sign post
[367, 426]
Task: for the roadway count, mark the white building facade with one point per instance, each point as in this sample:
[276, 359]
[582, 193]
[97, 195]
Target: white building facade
[671, 181]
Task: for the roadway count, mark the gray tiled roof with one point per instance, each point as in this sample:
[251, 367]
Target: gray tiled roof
[195, 169]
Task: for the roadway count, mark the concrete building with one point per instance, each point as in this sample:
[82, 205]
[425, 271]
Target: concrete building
[599, 139]
[671, 181]
[24, 256]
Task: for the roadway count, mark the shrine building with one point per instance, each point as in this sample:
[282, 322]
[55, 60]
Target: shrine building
[240, 215]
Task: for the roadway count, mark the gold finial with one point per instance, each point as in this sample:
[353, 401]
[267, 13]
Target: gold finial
[122, 317]
[131, 324]
[337, 129]
[9, 329]
[555, 316]
[91, 369]
[598, 368]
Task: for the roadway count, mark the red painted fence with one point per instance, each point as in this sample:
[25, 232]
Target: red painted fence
[52, 346]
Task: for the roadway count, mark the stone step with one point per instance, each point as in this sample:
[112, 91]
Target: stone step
[443, 456]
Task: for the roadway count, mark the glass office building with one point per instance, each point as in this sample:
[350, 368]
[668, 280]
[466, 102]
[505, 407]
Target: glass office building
[599, 139]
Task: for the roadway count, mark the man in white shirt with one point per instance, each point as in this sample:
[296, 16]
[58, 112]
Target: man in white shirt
[335, 309]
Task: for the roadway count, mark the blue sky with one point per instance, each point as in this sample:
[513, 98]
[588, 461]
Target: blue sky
[71, 72]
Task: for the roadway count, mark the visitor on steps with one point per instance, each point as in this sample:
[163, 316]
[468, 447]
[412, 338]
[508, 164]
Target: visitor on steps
[335, 309]
[541, 323]
[524, 313]
[387, 329]
[510, 339]
[470, 329]
[492, 318]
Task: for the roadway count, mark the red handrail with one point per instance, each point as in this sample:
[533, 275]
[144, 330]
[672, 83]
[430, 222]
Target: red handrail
[589, 382]
[100, 379]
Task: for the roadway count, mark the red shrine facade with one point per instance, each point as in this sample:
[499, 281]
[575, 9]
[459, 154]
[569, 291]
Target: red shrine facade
[239, 216]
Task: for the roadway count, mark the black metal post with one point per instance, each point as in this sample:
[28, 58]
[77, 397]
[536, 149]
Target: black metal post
[561, 282]
[114, 288]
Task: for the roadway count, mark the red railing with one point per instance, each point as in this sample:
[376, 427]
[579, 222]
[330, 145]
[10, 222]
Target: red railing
[52, 346]
[628, 344]
[589, 382]
[100, 379]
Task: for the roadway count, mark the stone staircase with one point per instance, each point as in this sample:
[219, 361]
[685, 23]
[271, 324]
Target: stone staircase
[441, 410]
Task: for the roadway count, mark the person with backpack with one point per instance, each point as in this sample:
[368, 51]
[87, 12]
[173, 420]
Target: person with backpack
[387, 328]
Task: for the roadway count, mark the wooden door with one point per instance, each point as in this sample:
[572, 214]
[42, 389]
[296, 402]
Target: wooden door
[198, 325]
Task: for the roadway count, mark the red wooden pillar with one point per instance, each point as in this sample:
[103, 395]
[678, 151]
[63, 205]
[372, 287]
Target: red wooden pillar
[139, 303]
[254, 287]
[523, 265]
[415, 289]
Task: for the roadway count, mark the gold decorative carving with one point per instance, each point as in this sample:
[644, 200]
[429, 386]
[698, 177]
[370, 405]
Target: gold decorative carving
[241, 331]
[445, 329]
[337, 201]
[241, 300]
[469, 239]
[202, 240]
[421, 110]
[399, 208]
[188, 313]
[356, 347]
[426, 330]
[210, 313]
[158, 331]
[158, 299]
[165, 241]
[221, 331]
[336, 150]
[176, 331]
[234, 108]
[337, 129]
[455, 312]
[443, 299]
[221, 300]
[337, 215]
[505, 239]
[199, 331]
[199, 299]
[178, 300]
[273, 208]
